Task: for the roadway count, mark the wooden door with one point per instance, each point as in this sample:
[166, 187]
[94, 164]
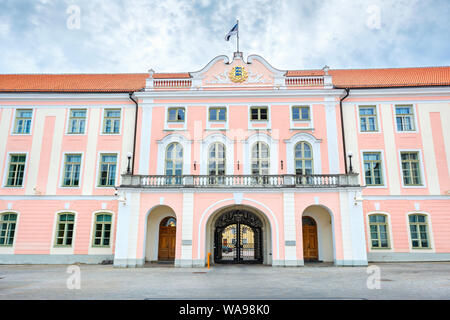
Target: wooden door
[166, 247]
[310, 248]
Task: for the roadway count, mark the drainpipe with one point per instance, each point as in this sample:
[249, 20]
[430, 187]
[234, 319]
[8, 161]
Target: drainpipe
[347, 90]
[135, 131]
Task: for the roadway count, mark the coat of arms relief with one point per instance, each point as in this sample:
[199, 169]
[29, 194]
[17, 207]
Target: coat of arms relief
[237, 74]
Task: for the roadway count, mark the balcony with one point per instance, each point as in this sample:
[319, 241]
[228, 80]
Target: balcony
[241, 181]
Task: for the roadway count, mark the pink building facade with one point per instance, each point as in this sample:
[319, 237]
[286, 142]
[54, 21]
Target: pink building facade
[238, 162]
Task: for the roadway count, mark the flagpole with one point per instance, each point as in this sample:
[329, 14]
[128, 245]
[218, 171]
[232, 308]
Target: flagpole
[237, 38]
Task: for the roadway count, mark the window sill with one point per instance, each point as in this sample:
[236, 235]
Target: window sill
[302, 129]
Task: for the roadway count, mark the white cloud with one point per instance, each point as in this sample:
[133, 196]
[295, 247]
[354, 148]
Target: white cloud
[174, 35]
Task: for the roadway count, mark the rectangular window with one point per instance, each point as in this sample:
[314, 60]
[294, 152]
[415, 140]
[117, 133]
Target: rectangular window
[77, 121]
[7, 229]
[22, 123]
[418, 227]
[217, 114]
[368, 118]
[300, 113]
[404, 117]
[259, 113]
[102, 230]
[107, 170]
[176, 114]
[411, 168]
[373, 168]
[378, 231]
[111, 123]
[16, 170]
[72, 166]
[64, 233]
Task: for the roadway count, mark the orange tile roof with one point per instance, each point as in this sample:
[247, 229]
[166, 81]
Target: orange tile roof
[125, 82]
[128, 82]
[393, 77]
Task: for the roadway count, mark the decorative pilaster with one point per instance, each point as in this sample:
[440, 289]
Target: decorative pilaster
[186, 231]
[290, 246]
[125, 254]
[353, 234]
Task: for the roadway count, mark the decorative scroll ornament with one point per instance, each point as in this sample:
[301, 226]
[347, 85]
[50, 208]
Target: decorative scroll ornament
[238, 74]
[238, 216]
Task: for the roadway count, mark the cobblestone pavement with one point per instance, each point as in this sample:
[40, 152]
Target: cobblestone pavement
[315, 281]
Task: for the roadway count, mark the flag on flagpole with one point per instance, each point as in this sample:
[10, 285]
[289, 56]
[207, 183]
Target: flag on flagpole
[233, 31]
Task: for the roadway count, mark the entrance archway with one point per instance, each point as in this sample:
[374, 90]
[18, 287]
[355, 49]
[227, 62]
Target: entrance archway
[238, 238]
[318, 235]
[166, 244]
[255, 235]
[157, 217]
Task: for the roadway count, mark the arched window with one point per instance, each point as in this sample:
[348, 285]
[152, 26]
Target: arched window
[303, 158]
[168, 222]
[7, 228]
[102, 230]
[64, 230]
[216, 159]
[418, 226]
[260, 158]
[174, 162]
[379, 231]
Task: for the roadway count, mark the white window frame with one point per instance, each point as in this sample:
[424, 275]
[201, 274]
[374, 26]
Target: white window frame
[97, 175]
[103, 122]
[290, 150]
[251, 123]
[415, 122]
[67, 133]
[422, 170]
[310, 122]
[54, 249]
[6, 170]
[11, 249]
[102, 250]
[378, 116]
[273, 155]
[14, 121]
[383, 167]
[224, 122]
[430, 233]
[167, 122]
[162, 147]
[369, 238]
[229, 152]
[61, 174]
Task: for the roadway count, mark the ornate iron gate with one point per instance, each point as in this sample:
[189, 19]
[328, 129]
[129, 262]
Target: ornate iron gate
[238, 238]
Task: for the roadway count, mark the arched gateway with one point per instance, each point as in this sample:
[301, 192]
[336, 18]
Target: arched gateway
[238, 238]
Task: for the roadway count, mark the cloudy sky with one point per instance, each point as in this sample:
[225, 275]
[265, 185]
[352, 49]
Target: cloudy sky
[108, 36]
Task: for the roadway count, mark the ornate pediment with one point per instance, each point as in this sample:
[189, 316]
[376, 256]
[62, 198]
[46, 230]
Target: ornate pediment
[255, 72]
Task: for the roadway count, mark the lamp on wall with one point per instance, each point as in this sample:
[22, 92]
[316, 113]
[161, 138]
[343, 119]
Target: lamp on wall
[281, 164]
[238, 165]
[129, 155]
[350, 155]
[195, 165]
